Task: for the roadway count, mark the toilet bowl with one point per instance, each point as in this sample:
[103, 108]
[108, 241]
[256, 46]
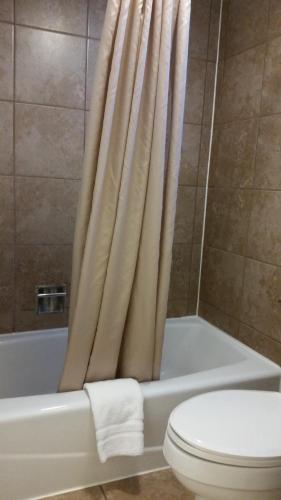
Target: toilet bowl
[226, 445]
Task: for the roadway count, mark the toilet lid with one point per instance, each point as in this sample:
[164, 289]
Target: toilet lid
[237, 427]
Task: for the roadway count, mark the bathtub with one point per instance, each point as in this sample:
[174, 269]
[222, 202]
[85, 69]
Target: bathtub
[47, 440]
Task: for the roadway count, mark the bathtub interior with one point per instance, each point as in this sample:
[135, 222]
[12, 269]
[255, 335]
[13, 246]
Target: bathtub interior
[192, 345]
[31, 363]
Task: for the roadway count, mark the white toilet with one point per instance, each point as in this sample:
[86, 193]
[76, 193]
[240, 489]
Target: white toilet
[226, 445]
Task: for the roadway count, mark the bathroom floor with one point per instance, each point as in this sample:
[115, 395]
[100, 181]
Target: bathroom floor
[154, 486]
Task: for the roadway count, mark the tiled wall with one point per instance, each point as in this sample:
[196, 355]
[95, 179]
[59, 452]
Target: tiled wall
[48, 50]
[241, 280]
[47, 57]
[199, 100]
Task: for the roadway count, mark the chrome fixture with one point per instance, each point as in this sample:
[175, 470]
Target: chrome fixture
[50, 299]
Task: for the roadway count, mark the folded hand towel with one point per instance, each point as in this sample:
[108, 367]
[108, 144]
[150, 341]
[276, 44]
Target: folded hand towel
[117, 407]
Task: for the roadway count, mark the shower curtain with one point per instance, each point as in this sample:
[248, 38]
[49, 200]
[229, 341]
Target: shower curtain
[125, 222]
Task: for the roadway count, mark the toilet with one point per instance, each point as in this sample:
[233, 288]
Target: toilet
[226, 445]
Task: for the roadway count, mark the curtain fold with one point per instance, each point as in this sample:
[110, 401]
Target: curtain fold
[125, 222]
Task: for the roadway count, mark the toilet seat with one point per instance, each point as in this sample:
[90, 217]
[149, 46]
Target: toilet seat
[233, 427]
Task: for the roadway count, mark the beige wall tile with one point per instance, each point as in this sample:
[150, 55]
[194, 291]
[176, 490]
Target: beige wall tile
[7, 297]
[268, 171]
[209, 93]
[261, 343]
[177, 308]
[6, 317]
[40, 265]
[48, 216]
[51, 71]
[246, 153]
[199, 214]
[49, 141]
[224, 28]
[261, 306]
[274, 18]
[247, 24]
[7, 10]
[228, 214]
[194, 278]
[180, 272]
[233, 154]
[218, 318]
[6, 61]
[6, 138]
[158, 485]
[195, 91]
[204, 156]
[271, 92]
[199, 28]
[264, 241]
[30, 320]
[6, 265]
[185, 214]
[58, 15]
[239, 98]
[50, 68]
[222, 280]
[93, 47]
[190, 155]
[214, 30]
[97, 10]
[7, 219]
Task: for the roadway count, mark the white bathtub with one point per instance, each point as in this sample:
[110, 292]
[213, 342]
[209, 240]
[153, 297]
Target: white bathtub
[47, 441]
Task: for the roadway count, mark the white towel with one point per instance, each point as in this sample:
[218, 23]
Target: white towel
[117, 407]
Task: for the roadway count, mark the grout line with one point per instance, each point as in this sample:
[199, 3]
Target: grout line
[32, 103]
[217, 125]
[225, 34]
[31, 176]
[246, 49]
[249, 118]
[48, 30]
[42, 245]
[223, 312]
[247, 257]
[86, 76]
[246, 244]
[195, 124]
[103, 492]
[198, 165]
[201, 58]
[14, 169]
[188, 298]
[258, 116]
[242, 188]
[209, 160]
[58, 106]
[266, 41]
[241, 322]
[89, 37]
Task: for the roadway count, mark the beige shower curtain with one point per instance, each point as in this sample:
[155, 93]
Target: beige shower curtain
[125, 222]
